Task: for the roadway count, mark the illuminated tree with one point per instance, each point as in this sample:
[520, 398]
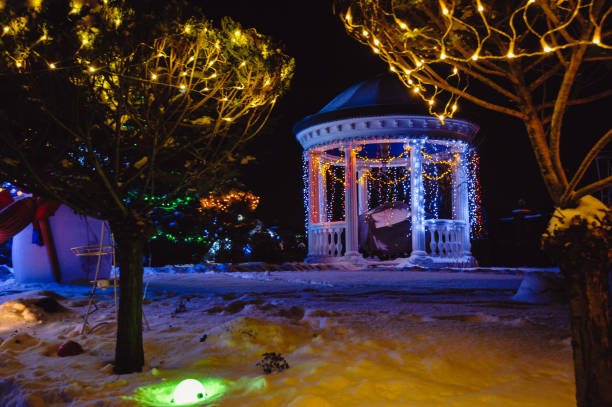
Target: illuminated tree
[228, 217]
[105, 106]
[532, 60]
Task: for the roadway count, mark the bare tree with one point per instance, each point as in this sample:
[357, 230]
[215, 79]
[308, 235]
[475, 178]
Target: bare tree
[532, 60]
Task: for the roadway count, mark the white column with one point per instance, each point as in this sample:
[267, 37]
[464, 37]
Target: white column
[313, 205]
[350, 202]
[460, 193]
[322, 194]
[308, 202]
[313, 181]
[363, 190]
[417, 205]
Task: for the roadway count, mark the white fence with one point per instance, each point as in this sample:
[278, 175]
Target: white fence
[445, 238]
[326, 239]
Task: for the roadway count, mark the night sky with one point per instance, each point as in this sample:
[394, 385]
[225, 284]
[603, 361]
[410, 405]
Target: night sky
[327, 62]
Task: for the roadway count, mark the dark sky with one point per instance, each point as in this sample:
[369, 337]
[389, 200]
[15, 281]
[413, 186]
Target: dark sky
[327, 62]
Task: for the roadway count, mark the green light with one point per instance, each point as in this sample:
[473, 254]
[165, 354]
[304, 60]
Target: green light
[189, 391]
[181, 392]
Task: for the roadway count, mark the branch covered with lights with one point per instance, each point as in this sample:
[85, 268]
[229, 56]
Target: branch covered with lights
[194, 91]
[119, 111]
[529, 55]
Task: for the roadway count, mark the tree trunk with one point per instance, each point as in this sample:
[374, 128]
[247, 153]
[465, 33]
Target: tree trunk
[129, 353]
[588, 291]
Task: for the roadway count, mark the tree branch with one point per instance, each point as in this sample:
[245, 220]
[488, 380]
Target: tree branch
[559, 110]
[584, 165]
[592, 188]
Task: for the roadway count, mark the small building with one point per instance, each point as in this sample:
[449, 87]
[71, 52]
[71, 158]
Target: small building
[382, 181]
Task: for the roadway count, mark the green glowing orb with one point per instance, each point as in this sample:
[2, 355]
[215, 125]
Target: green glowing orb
[172, 393]
[189, 391]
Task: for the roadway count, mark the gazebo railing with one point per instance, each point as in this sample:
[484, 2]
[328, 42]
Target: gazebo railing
[445, 238]
[327, 239]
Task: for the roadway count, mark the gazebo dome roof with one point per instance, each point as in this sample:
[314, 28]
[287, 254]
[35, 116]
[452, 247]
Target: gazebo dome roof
[383, 95]
[387, 101]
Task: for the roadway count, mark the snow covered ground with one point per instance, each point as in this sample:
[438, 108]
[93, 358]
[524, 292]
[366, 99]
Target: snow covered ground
[351, 338]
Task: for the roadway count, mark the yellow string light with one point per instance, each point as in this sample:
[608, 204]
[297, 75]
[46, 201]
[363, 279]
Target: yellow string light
[392, 182]
[223, 202]
[250, 93]
[375, 16]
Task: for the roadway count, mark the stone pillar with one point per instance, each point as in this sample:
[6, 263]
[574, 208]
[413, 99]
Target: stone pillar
[363, 190]
[350, 203]
[417, 205]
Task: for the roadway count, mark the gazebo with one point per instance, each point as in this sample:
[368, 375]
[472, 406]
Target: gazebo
[382, 181]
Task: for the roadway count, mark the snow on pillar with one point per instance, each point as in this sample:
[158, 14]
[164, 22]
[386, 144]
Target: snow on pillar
[350, 199]
[417, 204]
[363, 190]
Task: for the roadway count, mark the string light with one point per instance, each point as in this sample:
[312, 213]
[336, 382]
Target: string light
[249, 98]
[305, 192]
[380, 17]
[223, 202]
[474, 195]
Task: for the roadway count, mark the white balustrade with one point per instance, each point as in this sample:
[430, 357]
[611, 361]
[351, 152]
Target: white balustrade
[325, 239]
[445, 238]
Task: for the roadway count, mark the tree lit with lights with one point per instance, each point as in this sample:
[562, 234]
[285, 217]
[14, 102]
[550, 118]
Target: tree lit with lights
[533, 60]
[106, 106]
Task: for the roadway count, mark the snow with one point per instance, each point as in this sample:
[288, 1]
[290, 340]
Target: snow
[589, 208]
[368, 338]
